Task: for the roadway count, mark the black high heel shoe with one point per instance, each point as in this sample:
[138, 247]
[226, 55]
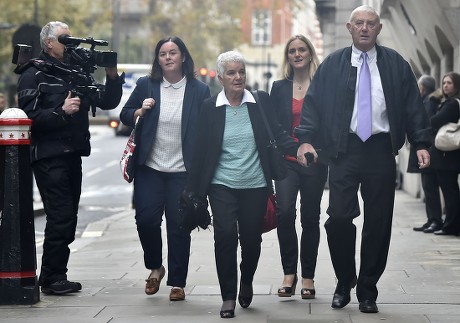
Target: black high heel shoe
[227, 310]
[245, 295]
[288, 291]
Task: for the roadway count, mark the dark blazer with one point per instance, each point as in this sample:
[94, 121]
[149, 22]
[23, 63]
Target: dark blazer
[281, 100]
[195, 93]
[209, 140]
[328, 105]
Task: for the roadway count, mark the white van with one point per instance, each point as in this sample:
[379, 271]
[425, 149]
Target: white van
[132, 73]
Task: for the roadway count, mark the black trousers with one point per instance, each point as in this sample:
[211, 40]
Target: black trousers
[310, 184]
[59, 182]
[157, 193]
[237, 213]
[371, 167]
[448, 181]
[433, 206]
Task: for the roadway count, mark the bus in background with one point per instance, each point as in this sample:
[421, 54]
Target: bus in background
[132, 73]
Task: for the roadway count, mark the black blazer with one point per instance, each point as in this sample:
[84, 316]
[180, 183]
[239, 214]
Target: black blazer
[209, 138]
[281, 99]
[195, 93]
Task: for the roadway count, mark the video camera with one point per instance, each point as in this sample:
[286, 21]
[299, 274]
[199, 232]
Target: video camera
[78, 65]
[87, 59]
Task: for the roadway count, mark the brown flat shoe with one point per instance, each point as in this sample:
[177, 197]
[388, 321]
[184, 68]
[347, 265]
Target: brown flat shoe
[153, 284]
[177, 294]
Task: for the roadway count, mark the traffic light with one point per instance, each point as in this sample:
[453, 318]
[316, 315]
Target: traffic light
[212, 77]
[203, 73]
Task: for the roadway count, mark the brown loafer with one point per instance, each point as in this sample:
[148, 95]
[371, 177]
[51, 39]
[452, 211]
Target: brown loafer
[177, 294]
[153, 284]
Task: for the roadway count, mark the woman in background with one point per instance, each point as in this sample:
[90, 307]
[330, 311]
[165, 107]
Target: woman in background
[446, 164]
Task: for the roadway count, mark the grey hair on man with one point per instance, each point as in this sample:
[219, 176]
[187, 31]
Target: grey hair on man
[364, 8]
[224, 58]
[49, 32]
[428, 82]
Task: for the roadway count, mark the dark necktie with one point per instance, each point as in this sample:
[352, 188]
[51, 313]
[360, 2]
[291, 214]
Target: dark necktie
[364, 129]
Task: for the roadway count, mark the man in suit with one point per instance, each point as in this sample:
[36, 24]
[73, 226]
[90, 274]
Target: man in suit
[362, 159]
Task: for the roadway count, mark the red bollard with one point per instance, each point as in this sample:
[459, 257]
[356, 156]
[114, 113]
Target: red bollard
[18, 258]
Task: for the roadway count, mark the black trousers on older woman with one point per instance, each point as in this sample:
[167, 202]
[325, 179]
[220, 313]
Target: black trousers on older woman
[236, 213]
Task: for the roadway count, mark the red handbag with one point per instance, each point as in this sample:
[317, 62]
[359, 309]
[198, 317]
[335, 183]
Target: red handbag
[270, 219]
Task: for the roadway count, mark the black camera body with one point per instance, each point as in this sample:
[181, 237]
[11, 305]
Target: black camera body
[87, 58]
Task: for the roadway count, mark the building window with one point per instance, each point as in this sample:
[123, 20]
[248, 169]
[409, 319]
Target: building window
[261, 27]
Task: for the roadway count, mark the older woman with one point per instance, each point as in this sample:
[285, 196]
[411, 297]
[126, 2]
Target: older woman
[446, 164]
[230, 166]
[169, 99]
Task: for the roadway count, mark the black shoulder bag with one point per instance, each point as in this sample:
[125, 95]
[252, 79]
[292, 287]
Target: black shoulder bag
[278, 170]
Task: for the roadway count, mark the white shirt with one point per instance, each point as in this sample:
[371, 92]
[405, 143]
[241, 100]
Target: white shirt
[222, 99]
[166, 154]
[379, 109]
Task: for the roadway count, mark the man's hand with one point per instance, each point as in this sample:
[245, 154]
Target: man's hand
[423, 157]
[111, 72]
[71, 105]
[302, 150]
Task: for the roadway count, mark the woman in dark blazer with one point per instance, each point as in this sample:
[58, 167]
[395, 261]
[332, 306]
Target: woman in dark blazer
[230, 166]
[446, 164]
[299, 64]
[169, 101]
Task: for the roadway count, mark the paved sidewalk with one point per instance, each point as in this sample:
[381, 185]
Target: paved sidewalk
[421, 282]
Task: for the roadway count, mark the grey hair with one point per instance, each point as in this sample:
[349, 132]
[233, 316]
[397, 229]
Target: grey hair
[428, 82]
[364, 8]
[49, 32]
[224, 58]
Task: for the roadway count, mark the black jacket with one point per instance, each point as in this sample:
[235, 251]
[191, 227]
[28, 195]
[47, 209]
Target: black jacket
[42, 89]
[281, 100]
[449, 111]
[209, 138]
[431, 103]
[195, 93]
[328, 105]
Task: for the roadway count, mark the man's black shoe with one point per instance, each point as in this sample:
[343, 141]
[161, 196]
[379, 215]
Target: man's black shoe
[342, 294]
[435, 226]
[368, 306]
[61, 287]
[422, 227]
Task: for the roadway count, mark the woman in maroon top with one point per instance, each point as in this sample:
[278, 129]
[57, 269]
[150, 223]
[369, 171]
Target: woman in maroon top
[299, 64]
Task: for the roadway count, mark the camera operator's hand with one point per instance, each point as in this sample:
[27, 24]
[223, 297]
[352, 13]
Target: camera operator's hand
[71, 105]
[111, 72]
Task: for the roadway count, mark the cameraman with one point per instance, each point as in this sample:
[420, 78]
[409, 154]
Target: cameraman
[60, 136]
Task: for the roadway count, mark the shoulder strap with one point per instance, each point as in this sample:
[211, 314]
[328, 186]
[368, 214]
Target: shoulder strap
[264, 117]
